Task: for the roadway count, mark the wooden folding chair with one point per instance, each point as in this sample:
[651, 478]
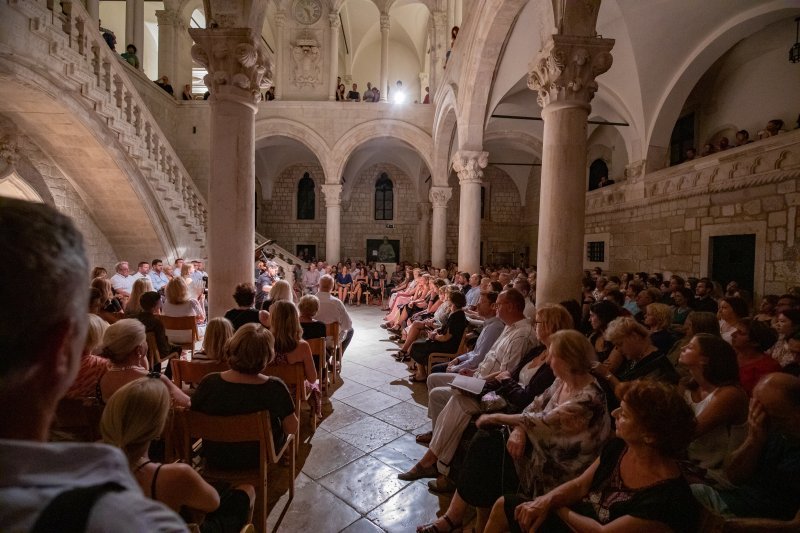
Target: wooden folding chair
[332, 331]
[78, 419]
[441, 357]
[294, 376]
[191, 373]
[182, 323]
[320, 353]
[254, 427]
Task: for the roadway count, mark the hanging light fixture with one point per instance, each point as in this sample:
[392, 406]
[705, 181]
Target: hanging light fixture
[794, 51]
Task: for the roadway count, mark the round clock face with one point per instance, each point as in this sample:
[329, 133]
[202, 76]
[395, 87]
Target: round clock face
[307, 11]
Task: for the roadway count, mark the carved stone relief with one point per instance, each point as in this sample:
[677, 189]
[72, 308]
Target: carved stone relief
[306, 61]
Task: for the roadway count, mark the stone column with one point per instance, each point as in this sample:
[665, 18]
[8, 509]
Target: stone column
[335, 23]
[439, 197]
[167, 20]
[384, 57]
[469, 165]
[134, 25]
[93, 8]
[563, 75]
[333, 232]
[439, 45]
[423, 231]
[237, 63]
[279, 81]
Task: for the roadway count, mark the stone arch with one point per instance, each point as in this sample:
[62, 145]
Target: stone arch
[185, 8]
[413, 136]
[487, 40]
[727, 34]
[297, 131]
[444, 126]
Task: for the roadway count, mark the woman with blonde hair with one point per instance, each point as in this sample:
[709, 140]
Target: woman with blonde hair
[109, 302]
[290, 347]
[281, 291]
[178, 303]
[196, 289]
[218, 331]
[134, 417]
[92, 366]
[140, 286]
[658, 319]
[125, 347]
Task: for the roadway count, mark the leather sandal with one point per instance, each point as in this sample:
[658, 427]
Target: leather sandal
[424, 438]
[431, 528]
[419, 472]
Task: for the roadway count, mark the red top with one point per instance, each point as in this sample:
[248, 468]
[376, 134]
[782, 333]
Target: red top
[752, 371]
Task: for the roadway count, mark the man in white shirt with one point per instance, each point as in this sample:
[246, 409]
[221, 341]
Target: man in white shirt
[311, 279]
[332, 310]
[518, 337]
[157, 276]
[42, 330]
[122, 281]
[141, 272]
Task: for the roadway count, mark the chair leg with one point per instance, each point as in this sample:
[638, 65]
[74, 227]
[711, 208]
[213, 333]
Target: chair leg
[260, 509]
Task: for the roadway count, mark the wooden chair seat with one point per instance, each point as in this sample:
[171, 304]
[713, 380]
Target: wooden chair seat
[440, 357]
[182, 323]
[254, 427]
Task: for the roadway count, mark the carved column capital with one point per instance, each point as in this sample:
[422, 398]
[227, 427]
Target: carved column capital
[332, 193]
[237, 62]
[566, 68]
[440, 196]
[440, 19]
[333, 20]
[469, 165]
[385, 23]
[280, 18]
[166, 17]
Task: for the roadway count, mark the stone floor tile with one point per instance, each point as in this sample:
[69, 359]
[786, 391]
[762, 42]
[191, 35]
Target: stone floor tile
[371, 401]
[369, 377]
[404, 415]
[368, 434]
[328, 453]
[341, 416]
[312, 509]
[364, 484]
[407, 509]
[348, 388]
[362, 526]
[402, 453]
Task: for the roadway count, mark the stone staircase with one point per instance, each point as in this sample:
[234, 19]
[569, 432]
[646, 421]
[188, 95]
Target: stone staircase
[95, 72]
[282, 257]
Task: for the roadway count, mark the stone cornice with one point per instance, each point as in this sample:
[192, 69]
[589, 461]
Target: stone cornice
[469, 165]
[237, 62]
[566, 67]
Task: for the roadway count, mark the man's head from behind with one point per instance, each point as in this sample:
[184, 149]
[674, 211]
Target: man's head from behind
[325, 283]
[779, 396]
[43, 318]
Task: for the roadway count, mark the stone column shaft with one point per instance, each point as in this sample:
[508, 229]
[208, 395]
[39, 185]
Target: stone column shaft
[469, 165]
[333, 220]
[93, 8]
[439, 197]
[563, 74]
[167, 44]
[138, 28]
[237, 63]
[333, 18]
[280, 23]
[384, 57]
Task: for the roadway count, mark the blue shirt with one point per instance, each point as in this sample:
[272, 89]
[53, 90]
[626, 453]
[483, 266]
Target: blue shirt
[158, 280]
[492, 328]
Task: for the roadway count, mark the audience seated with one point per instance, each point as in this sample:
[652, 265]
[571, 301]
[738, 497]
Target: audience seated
[445, 340]
[218, 332]
[732, 310]
[122, 281]
[92, 366]
[658, 319]
[696, 322]
[245, 312]
[765, 469]
[751, 340]
[43, 324]
[109, 304]
[786, 324]
[244, 389]
[566, 426]
[704, 300]
[425, 321]
[178, 303]
[332, 310]
[150, 303]
[134, 417]
[140, 286]
[308, 307]
[635, 484]
[600, 315]
[125, 346]
[290, 347]
[718, 401]
[281, 291]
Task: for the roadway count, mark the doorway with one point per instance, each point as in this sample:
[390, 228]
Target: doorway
[733, 258]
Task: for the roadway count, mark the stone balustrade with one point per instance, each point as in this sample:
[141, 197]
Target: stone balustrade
[282, 257]
[99, 76]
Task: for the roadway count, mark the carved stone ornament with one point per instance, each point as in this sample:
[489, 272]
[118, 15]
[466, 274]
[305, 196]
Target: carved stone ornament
[332, 193]
[306, 61]
[9, 155]
[237, 64]
[469, 165]
[439, 196]
[566, 68]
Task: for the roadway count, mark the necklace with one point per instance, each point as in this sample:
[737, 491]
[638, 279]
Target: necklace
[115, 368]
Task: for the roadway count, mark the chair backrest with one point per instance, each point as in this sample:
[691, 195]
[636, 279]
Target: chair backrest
[317, 348]
[180, 323]
[332, 330]
[153, 355]
[294, 376]
[253, 427]
[79, 419]
[193, 372]
[462, 346]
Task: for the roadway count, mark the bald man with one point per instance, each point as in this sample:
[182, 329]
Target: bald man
[765, 469]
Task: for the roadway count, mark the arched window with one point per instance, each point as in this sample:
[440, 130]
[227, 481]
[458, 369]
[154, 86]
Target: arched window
[597, 170]
[384, 198]
[306, 198]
